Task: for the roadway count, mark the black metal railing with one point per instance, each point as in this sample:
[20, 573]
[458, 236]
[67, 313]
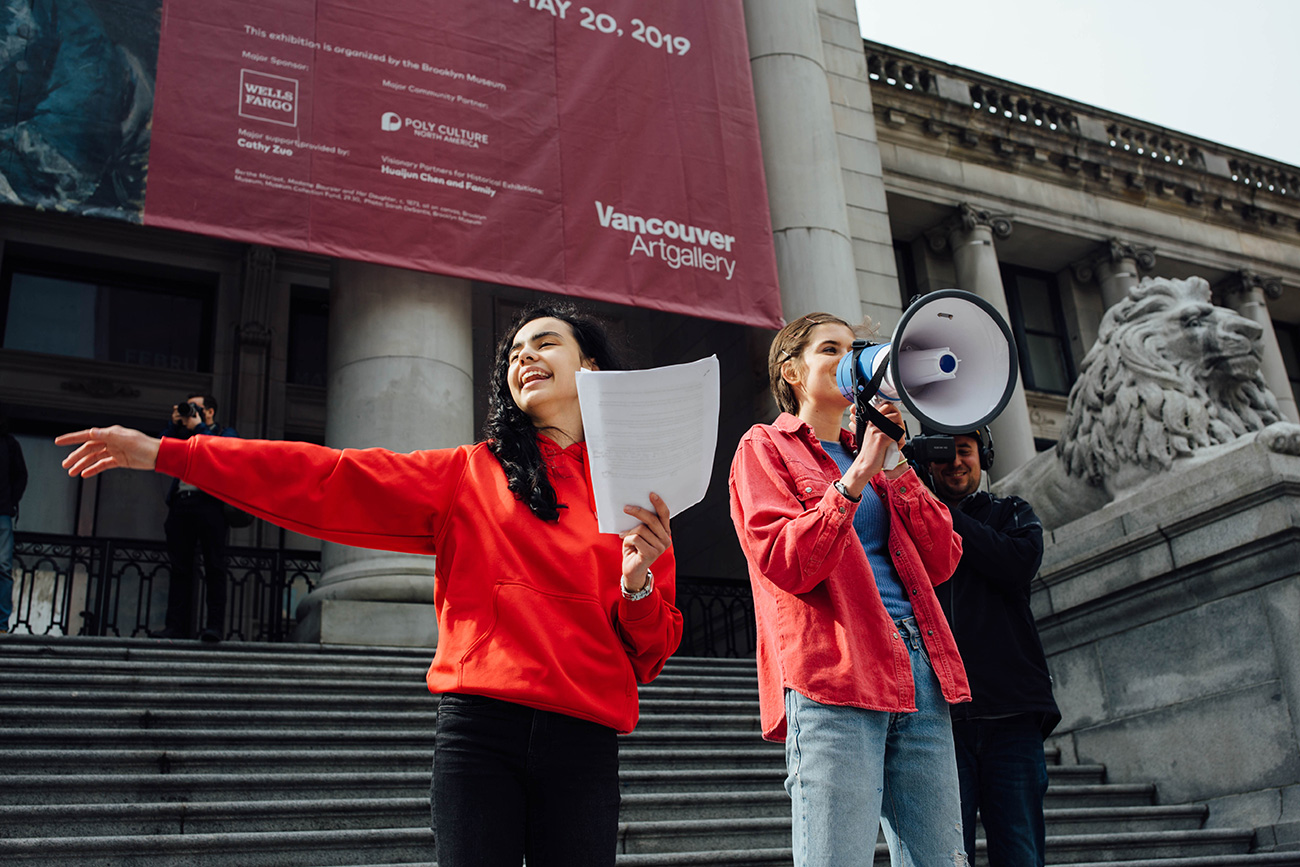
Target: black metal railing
[717, 617]
[76, 585]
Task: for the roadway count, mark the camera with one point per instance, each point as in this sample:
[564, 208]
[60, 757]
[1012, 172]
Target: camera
[185, 410]
[931, 449]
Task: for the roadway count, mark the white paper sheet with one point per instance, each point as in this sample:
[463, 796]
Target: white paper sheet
[649, 430]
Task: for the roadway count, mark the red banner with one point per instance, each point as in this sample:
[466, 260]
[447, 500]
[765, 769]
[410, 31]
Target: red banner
[608, 152]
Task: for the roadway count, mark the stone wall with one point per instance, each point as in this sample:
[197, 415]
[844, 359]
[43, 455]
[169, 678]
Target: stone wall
[1171, 622]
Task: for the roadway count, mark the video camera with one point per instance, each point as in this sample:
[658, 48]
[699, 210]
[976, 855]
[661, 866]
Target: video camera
[930, 449]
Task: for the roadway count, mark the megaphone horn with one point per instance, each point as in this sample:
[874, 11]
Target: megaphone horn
[951, 361]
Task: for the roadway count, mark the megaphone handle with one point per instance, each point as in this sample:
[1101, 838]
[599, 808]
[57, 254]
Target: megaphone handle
[893, 457]
[866, 412]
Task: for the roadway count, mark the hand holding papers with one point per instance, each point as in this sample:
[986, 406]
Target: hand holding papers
[649, 430]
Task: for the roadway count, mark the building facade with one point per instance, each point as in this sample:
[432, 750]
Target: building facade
[889, 175]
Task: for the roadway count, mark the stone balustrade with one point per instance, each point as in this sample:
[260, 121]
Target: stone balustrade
[1147, 148]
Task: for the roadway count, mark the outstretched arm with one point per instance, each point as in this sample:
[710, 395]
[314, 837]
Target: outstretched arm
[370, 498]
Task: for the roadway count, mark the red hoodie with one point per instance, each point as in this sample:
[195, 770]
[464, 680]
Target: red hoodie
[528, 611]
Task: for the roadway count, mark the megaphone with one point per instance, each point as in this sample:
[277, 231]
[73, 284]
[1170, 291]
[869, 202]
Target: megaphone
[951, 361]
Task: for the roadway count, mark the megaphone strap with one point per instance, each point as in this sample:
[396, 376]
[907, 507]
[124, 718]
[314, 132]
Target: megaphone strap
[889, 428]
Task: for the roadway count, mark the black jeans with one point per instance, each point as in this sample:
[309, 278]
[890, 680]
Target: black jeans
[1003, 775]
[510, 782]
[196, 522]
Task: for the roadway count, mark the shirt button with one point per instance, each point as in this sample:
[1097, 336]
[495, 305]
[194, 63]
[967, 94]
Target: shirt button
[808, 490]
[841, 510]
[902, 489]
[913, 592]
[929, 632]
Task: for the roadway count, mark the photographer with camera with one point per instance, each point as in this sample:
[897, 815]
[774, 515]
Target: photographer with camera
[195, 522]
[999, 734]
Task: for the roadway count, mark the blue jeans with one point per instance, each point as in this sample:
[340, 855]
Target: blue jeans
[852, 771]
[510, 782]
[6, 570]
[1003, 776]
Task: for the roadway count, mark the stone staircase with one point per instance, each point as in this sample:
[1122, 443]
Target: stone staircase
[135, 752]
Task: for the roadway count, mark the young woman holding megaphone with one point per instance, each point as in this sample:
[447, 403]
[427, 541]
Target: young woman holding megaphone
[856, 663]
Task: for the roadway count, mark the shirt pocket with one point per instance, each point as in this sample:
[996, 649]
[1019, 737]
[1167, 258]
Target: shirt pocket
[809, 485]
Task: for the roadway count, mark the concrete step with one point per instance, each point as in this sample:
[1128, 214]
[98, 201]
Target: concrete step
[279, 849]
[303, 737]
[691, 835]
[1105, 820]
[761, 756]
[1254, 859]
[213, 817]
[230, 761]
[771, 803]
[374, 716]
[1064, 795]
[75, 788]
[723, 858]
[1143, 845]
[651, 781]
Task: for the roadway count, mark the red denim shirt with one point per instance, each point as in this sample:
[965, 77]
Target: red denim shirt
[822, 629]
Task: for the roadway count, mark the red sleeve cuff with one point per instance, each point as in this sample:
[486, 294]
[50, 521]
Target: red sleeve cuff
[173, 457]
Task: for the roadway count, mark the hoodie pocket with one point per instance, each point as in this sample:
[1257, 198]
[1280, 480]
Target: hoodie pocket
[552, 648]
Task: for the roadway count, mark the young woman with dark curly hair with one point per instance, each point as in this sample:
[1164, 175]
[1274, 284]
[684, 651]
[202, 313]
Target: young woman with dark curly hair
[546, 626]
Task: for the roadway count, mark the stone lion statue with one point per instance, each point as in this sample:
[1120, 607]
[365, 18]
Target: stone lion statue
[1172, 379]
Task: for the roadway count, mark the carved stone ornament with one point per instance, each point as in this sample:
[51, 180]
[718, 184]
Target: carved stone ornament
[1114, 251]
[967, 218]
[1172, 379]
[1246, 280]
[104, 389]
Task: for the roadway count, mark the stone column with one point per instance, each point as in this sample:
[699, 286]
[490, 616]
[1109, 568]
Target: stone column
[250, 384]
[1248, 293]
[810, 224]
[1115, 267]
[969, 235]
[400, 377]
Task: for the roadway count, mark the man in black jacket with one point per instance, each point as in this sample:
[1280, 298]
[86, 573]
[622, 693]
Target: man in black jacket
[195, 522]
[999, 734]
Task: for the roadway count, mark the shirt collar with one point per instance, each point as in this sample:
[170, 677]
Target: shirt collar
[792, 424]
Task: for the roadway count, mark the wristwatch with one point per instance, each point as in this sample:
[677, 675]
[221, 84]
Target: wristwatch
[844, 492]
[643, 592]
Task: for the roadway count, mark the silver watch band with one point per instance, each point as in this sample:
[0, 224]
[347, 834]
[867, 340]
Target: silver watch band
[643, 592]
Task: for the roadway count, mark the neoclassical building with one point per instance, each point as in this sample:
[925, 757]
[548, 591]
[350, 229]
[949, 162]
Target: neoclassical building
[889, 175]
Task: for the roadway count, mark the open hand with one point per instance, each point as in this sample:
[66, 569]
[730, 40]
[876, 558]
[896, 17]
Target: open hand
[108, 448]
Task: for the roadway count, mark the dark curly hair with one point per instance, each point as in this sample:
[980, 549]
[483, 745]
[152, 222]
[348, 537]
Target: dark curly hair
[509, 432]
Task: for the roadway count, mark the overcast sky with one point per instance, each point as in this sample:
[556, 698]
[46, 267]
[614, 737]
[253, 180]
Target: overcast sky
[1224, 71]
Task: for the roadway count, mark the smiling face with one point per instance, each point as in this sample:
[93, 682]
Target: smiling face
[961, 477]
[812, 374]
[543, 362]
